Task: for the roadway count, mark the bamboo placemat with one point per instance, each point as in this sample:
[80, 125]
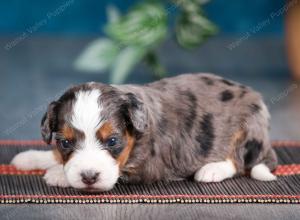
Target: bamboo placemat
[28, 187]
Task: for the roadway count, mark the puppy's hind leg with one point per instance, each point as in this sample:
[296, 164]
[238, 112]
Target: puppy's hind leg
[216, 171]
[262, 171]
[219, 171]
[259, 157]
[35, 159]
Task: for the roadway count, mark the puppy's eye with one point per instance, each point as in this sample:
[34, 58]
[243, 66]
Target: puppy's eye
[112, 141]
[66, 144]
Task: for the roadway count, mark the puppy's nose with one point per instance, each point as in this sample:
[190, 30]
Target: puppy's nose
[89, 177]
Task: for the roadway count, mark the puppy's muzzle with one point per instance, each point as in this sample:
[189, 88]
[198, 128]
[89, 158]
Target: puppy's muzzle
[89, 177]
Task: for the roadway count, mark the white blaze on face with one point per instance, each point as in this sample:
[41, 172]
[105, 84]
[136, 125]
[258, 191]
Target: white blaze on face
[90, 155]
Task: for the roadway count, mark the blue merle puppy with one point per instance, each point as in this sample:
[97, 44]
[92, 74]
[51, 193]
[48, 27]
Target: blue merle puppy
[198, 125]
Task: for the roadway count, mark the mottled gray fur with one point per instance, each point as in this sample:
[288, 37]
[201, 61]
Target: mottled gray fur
[185, 122]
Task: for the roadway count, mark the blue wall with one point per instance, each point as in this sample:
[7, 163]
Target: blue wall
[238, 16]
[87, 16]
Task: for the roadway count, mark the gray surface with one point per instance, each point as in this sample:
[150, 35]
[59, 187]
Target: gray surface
[38, 69]
[153, 211]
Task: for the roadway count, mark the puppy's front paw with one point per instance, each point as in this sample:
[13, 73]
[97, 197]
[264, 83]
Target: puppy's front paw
[55, 176]
[34, 159]
[24, 160]
[215, 172]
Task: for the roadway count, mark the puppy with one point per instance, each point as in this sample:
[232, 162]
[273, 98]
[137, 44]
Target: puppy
[198, 125]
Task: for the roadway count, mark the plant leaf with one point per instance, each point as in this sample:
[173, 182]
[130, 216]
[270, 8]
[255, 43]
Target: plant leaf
[190, 5]
[157, 68]
[113, 14]
[144, 25]
[201, 2]
[125, 62]
[98, 56]
[193, 28]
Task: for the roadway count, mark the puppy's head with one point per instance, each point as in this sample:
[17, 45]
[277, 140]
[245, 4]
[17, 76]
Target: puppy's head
[95, 127]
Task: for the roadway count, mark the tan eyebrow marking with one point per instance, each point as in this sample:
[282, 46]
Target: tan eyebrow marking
[68, 132]
[105, 131]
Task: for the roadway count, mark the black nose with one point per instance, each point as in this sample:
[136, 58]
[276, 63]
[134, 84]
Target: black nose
[89, 177]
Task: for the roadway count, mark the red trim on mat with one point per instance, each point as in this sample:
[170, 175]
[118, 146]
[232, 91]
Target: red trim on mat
[135, 196]
[286, 170]
[43, 144]
[11, 170]
[281, 170]
[286, 143]
[23, 142]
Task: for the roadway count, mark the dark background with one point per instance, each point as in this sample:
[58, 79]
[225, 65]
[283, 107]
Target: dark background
[85, 17]
[39, 67]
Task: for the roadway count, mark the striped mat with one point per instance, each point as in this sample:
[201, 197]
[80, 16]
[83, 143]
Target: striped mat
[28, 187]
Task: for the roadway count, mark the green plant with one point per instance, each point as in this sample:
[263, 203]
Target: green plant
[133, 37]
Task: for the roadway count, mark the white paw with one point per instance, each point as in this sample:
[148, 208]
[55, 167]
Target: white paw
[262, 172]
[34, 159]
[55, 176]
[215, 172]
[24, 160]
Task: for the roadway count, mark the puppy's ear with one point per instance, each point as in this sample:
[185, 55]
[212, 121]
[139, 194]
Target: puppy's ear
[135, 112]
[48, 123]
